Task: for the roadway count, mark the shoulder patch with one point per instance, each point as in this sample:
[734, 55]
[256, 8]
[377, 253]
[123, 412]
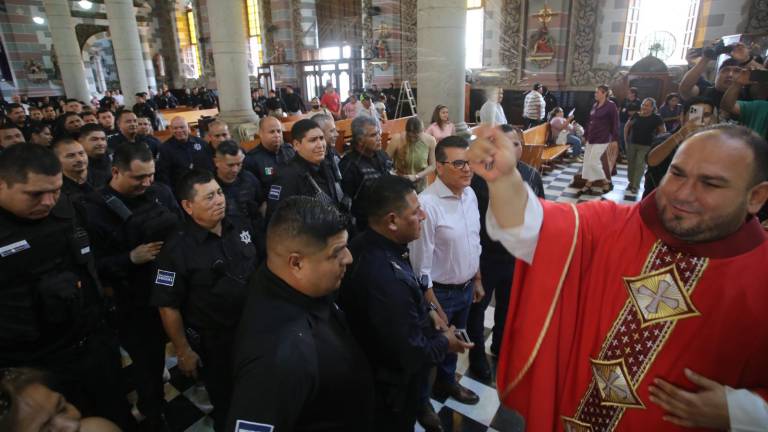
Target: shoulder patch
[166, 278]
[269, 171]
[274, 192]
[246, 426]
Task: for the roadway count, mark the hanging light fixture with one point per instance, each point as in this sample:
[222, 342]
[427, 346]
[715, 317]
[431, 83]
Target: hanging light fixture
[38, 20]
[85, 4]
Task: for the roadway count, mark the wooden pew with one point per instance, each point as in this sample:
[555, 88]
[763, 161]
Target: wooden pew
[291, 119]
[250, 144]
[192, 116]
[539, 135]
[532, 155]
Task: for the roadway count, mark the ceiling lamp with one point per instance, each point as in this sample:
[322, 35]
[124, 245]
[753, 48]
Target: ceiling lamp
[38, 20]
[85, 4]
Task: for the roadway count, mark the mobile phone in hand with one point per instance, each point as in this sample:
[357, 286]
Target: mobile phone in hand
[461, 334]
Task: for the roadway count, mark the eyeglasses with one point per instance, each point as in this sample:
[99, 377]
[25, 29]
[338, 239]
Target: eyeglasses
[458, 163]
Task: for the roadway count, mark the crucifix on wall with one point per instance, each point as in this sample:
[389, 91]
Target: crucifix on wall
[541, 45]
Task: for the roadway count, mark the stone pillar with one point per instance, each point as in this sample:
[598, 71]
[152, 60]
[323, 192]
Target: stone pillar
[230, 59]
[440, 58]
[67, 49]
[99, 73]
[149, 67]
[124, 33]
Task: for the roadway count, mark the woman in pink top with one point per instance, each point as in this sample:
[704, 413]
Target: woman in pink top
[441, 126]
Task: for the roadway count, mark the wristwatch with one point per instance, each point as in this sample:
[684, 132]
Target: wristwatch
[432, 306]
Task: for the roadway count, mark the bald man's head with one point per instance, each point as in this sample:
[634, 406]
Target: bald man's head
[180, 128]
[271, 133]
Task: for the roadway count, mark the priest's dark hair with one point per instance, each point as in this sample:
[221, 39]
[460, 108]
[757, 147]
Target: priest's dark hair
[306, 219]
[453, 141]
[18, 161]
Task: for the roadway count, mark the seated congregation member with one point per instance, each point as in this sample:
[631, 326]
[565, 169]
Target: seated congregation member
[387, 312]
[128, 222]
[241, 188]
[441, 125]
[364, 164]
[74, 168]
[218, 132]
[182, 152]
[413, 153]
[698, 113]
[491, 112]
[10, 135]
[297, 366]
[619, 324]
[144, 108]
[128, 132]
[40, 134]
[51, 310]
[563, 131]
[328, 125]
[307, 174]
[639, 133]
[496, 265]
[94, 141]
[268, 158]
[448, 252]
[68, 125]
[201, 285]
[30, 405]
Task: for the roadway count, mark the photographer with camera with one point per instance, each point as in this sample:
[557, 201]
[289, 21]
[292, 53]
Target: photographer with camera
[693, 84]
[752, 114]
[128, 220]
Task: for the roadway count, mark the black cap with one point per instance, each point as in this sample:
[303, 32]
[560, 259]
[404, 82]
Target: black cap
[537, 86]
[142, 94]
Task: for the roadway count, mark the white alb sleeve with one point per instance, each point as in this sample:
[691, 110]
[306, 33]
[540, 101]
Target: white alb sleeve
[748, 411]
[521, 240]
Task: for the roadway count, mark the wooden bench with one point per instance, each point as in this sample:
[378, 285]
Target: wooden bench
[250, 144]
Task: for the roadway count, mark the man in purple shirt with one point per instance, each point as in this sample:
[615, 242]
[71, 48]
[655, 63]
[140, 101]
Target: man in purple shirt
[602, 131]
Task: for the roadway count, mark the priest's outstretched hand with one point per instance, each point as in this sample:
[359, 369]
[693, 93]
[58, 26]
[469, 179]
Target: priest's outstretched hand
[708, 407]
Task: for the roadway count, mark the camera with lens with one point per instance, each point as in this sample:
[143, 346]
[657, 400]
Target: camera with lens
[713, 51]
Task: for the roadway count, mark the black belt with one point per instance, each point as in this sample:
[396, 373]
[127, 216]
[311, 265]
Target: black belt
[451, 286]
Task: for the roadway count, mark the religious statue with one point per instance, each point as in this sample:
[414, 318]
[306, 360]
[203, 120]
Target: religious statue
[381, 47]
[541, 45]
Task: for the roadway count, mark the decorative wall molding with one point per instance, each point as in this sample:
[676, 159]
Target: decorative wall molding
[408, 18]
[265, 9]
[582, 70]
[758, 17]
[511, 45]
[367, 40]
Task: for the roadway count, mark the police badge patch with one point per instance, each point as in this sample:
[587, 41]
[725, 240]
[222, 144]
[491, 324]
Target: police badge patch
[165, 278]
[274, 192]
[246, 426]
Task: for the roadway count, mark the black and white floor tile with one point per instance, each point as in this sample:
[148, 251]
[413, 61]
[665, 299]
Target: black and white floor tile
[188, 406]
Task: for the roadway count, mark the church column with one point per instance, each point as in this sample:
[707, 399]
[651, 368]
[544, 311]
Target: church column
[124, 33]
[67, 49]
[440, 58]
[230, 59]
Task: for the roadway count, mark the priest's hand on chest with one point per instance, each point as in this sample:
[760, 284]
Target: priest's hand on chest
[707, 407]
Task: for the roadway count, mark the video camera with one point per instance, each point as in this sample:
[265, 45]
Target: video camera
[713, 51]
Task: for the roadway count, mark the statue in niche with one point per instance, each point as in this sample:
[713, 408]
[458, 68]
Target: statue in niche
[35, 71]
[380, 48]
[541, 45]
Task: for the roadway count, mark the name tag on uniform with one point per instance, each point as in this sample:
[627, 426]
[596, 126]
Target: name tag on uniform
[14, 248]
[274, 192]
[246, 426]
[165, 278]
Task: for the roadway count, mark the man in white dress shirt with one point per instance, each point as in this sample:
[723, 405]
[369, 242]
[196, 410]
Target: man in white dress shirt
[492, 113]
[448, 252]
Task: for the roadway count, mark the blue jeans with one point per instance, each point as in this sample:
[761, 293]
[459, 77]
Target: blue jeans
[576, 147]
[455, 303]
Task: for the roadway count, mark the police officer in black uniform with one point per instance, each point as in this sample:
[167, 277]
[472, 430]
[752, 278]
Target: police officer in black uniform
[128, 132]
[297, 366]
[266, 159]
[146, 108]
[128, 221]
[94, 141]
[182, 152]
[74, 169]
[308, 173]
[384, 302]
[497, 266]
[241, 188]
[365, 163]
[51, 310]
[201, 285]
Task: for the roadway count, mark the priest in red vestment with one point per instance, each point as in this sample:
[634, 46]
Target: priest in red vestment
[611, 304]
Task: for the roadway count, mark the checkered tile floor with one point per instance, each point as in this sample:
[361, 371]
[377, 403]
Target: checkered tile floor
[188, 405]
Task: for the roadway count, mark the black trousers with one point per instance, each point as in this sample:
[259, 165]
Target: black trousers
[397, 412]
[215, 352]
[529, 122]
[141, 334]
[89, 376]
[497, 273]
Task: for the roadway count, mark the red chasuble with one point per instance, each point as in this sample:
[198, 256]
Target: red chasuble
[613, 301]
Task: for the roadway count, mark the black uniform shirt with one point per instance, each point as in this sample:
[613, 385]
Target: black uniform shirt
[297, 365]
[205, 276]
[244, 197]
[118, 138]
[176, 158]
[75, 191]
[384, 303]
[265, 164]
[293, 103]
[358, 172]
[48, 298]
[302, 178]
[99, 171]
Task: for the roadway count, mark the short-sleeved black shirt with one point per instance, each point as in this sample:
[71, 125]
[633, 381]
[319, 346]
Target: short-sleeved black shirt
[644, 128]
[205, 276]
